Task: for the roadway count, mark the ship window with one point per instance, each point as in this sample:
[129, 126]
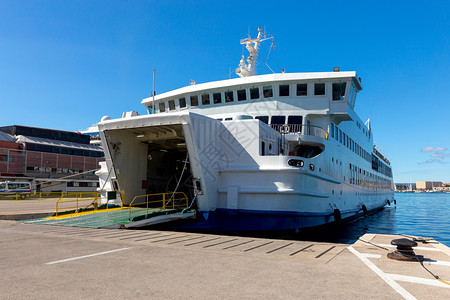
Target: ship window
[332, 130]
[217, 98]
[172, 104]
[284, 90]
[182, 102]
[254, 93]
[336, 133]
[229, 96]
[302, 89]
[228, 119]
[340, 136]
[295, 119]
[267, 91]
[319, 89]
[264, 119]
[162, 107]
[241, 95]
[194, 100]
[263, 148]
[339, 91]
[205, 99]
[278, 120]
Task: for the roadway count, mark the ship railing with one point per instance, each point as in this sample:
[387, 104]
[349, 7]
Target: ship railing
[86, 201]
[161, 201]
[301, 129]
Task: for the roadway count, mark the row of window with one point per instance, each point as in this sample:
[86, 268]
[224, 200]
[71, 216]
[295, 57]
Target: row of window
[360, 177]
[254, 93]
[42, 169]
[63, 150]
[46, 133]
[275, 120]
[82, 184]
[344, 139]
[363, 128]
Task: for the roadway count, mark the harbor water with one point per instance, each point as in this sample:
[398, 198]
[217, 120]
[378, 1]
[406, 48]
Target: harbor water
[416, 214]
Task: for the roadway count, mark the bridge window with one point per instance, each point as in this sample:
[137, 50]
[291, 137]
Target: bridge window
[339, 91]
[332, 130]
[194, 100]
[205, 99]
[217, 98]
[267, 91]
[295, 119]
[172, 104]
[162, 107]
[229, 96]
[302, 89]
[254, 93]
[241, 95]
[278, 120]
[264, 119]
[182, 102]
[284, 90]
[319, 89]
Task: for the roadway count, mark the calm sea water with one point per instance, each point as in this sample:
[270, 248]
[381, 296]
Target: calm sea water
[421, 214]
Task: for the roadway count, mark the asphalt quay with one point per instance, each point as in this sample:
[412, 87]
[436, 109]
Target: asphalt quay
[25, 209]
[48, 261]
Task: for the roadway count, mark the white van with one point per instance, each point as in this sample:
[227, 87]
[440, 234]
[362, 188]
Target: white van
[15, 187]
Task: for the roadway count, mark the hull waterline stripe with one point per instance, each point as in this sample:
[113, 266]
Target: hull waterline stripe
[398, 288]
[85, 256]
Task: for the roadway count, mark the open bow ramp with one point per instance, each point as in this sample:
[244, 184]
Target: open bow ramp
[117, 218]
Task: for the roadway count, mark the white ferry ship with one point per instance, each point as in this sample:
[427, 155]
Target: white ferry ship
[258, 152]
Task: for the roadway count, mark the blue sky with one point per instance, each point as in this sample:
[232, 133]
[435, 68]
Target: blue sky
[65, 64]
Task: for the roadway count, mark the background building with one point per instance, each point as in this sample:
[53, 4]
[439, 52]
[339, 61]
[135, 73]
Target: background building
[428, 185]
[53, 160]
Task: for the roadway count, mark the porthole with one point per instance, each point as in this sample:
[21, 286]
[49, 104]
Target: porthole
[311, 167]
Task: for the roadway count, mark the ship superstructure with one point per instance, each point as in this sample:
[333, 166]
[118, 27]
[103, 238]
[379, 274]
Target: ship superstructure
[276, 151]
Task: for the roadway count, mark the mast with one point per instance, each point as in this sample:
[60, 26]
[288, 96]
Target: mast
[252, 46]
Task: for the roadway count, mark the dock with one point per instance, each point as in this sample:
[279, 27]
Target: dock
[49, 261]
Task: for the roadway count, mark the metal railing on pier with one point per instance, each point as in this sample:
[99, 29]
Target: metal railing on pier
[85, 201]
[158, 201]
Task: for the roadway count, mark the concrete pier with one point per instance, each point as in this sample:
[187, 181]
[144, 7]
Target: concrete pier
[27, 208]
[45, 261]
